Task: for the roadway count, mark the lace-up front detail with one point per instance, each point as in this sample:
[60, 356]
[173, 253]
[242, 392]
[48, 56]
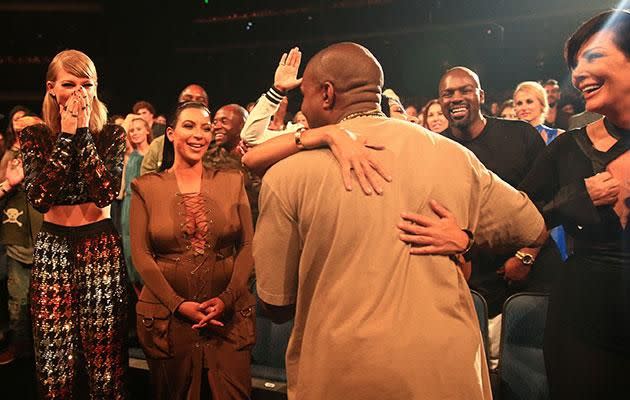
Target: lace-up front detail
[196, 221]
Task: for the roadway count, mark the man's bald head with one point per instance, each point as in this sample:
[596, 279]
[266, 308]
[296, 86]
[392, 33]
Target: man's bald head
[341, 79]
[461, 71]
[193, 92]
[227, 125]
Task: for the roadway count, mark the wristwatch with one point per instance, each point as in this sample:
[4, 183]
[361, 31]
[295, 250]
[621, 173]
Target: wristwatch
[525, 258]
[298, 138]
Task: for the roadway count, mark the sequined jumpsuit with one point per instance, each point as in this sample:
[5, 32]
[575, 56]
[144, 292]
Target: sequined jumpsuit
[78, 287]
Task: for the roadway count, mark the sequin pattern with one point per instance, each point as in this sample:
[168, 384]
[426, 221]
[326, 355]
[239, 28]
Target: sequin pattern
[78, 305]
[68, 169]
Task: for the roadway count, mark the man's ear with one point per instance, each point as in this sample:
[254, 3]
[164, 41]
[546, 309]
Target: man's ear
[328, 95]
[482, 96]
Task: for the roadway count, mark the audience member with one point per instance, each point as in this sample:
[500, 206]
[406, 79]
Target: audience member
[555, 116]
[507, 110]
[146, 111]
[17, 234]
[195, 313]
[139, 135]
[434, 119]
[194, 92]
[507, 148]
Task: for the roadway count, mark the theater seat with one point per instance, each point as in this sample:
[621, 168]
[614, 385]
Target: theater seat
[481, 307]
[268, 367]
[522, 367]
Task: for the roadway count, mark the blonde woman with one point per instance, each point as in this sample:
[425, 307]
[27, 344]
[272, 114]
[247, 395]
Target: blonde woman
[531, 105]
[72, 167]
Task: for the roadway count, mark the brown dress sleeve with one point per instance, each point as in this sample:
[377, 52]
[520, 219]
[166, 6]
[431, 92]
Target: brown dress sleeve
[142, 255]
[244, 260]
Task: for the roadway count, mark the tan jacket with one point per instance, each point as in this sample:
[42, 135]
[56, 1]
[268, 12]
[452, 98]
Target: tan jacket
[172, 274]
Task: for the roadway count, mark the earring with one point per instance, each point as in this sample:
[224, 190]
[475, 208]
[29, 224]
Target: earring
[52, 95]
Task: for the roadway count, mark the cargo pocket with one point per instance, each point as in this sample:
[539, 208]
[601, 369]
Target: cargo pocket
[153, 329]
[245, 327]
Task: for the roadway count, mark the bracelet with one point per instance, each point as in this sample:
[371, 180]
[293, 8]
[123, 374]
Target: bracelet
[298, 138]
[471, 241]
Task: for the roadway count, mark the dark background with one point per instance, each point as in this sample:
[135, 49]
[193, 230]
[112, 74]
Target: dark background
[151, 50]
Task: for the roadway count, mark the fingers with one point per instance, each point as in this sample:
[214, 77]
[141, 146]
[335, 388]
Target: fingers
[416, 239]
[411, 228]
[417, 219]
[378, 167]
[357, 167]
[346, 175]
[440, 210]
[283, 59]
[427, 250]
[604, 176]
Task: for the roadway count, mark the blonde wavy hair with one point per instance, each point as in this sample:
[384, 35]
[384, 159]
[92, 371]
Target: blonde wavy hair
[539, 93]
[80, 65]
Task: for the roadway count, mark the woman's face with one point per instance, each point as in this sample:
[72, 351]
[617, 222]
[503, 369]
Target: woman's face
[66, 84]
[602, 74]
[527, 106]
[138, 133]
[191, 136]
[509, 113]
[16, 116]
[436, 121]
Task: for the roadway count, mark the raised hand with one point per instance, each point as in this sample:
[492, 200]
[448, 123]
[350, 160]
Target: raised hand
[15, 172]
[70, 114]
[285, 78]
[85, 109]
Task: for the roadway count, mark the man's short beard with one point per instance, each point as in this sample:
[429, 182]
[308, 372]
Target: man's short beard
[460, 123]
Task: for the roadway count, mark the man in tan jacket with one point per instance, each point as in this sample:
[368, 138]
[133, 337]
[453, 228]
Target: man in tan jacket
[373, 321]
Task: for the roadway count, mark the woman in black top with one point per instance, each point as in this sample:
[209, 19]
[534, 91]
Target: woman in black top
[582, 181]
[73, 167]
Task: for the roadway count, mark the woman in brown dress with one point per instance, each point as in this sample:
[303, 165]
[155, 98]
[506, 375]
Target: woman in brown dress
[191, 232]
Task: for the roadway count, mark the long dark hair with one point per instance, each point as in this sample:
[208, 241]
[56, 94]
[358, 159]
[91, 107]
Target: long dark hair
[168, 151]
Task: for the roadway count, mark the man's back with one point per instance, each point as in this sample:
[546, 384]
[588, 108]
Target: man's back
[371, 320]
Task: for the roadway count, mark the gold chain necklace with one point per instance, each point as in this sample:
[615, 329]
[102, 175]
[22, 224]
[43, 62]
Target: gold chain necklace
[371, 113]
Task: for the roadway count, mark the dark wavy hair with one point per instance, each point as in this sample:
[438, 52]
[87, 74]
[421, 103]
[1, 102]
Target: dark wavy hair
[616, 21]
[168, 151]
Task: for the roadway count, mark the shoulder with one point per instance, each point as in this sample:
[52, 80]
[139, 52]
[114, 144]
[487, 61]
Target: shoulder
[148, 182]
[513, 125]
[111, 133]
[225, 174]
[36, 131]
